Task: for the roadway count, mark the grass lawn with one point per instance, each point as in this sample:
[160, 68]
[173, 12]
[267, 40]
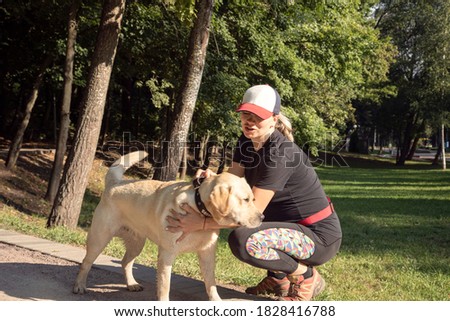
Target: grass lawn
[396, 225]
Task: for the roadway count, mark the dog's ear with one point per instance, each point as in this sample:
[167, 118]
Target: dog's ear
[220, 199]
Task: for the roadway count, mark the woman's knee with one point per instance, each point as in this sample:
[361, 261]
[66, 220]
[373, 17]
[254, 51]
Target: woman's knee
[236, 241]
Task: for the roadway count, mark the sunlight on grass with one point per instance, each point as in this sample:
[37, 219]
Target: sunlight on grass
[396, 226]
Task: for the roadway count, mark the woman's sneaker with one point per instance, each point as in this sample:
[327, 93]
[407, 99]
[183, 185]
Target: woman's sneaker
[270, 285]
[302, 289]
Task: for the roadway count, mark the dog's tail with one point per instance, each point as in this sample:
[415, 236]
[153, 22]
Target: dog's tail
[115, 172]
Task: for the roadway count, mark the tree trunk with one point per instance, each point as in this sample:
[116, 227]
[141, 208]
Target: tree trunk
[10, 131]
[105, 123]
[65, 106]
[405, 145]
[47, 115]
[68, 201]
[438, 154]
[185, 165]
[413, 148]
[203, 151]
[223, 158]
[444, 160]
[126, 122]
[185, 103]
[209, 150]
[16, 144]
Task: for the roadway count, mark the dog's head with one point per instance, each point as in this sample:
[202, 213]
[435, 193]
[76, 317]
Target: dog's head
[229, 199]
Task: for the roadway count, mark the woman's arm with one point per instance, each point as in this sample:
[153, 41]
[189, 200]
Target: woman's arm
[236, 169]
[191, 221]
[262, 197]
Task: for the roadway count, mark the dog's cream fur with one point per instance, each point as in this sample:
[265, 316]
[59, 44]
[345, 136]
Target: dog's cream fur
[137, 210]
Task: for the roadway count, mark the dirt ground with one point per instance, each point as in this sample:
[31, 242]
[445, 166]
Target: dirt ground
[29, 275]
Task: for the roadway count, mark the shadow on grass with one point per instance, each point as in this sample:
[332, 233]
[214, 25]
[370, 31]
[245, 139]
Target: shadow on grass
[411, 228]
[370, 161]
[389, 210]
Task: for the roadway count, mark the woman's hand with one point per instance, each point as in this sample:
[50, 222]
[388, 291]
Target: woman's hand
[204, 173]
[190, 222]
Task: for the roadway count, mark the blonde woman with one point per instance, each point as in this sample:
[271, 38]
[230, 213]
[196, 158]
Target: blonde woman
[300, 230]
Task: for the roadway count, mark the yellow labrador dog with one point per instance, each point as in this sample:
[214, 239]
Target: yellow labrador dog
[137, 209]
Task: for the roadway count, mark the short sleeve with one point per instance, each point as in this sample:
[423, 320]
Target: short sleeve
[274, 174]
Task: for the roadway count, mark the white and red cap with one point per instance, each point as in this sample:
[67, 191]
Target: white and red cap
[261, 100]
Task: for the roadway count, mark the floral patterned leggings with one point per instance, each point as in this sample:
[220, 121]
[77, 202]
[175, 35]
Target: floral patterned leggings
[279, 246]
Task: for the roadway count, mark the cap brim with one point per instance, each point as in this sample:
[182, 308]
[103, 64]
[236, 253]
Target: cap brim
[255, 109]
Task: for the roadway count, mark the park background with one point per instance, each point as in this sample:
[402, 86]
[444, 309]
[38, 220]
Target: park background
[366, 85]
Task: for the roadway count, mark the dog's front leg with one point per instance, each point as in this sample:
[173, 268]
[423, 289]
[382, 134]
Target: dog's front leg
[165, 261]
[207, 259]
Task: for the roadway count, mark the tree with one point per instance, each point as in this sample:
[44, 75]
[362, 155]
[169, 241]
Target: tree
[67, 204]
[319, 57]
[16, 144]
[65, 106]
[30, 33]
[419, 29]
[438, 76]
[187, 96]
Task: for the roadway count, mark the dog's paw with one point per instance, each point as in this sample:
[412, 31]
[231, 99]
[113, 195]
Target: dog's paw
[135, 287]
[78, 289]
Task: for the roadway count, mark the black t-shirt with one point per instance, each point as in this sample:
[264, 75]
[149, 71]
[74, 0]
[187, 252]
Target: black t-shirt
[281, 166]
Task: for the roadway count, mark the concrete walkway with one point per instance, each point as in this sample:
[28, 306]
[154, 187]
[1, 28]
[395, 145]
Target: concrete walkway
[184, 286]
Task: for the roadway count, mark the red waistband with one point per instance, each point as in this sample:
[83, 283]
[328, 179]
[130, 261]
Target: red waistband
[316, 217]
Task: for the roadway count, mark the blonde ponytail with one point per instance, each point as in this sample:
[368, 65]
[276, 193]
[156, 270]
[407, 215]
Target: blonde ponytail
[285, 127]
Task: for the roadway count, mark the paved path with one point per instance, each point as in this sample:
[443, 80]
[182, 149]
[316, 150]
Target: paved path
[32, 268]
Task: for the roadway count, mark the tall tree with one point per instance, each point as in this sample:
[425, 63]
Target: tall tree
[67, 204]
[438, 77]
[421, 74]
[319, 57]
[30, 32]
[16, 144]
[187, 96]
[66, 100]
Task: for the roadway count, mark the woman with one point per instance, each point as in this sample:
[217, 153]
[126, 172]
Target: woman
[301, 229]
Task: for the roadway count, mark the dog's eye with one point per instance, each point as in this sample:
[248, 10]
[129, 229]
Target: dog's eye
[247, 199]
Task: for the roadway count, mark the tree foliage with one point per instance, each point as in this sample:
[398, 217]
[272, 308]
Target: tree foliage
[320, 55]
[383, 65]
[319, 59]
[421, 72]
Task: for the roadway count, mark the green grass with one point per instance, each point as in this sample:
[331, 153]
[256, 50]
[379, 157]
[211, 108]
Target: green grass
[396, 226]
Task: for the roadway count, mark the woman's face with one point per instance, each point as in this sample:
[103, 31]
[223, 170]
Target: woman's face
[256, 128]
